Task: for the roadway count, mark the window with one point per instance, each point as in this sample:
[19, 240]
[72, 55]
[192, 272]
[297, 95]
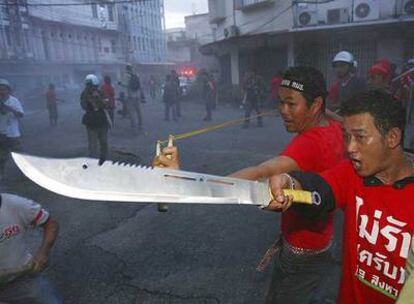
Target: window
[113, 46]
[94, 11]
[110, 12]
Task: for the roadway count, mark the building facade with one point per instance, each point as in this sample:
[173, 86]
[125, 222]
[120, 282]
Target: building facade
[270, 35]
[184, 44]
[42, 42]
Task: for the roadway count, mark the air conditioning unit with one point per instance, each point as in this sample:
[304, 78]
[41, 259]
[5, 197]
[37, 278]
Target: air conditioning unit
[408, 7]
[306, 14]
[338, 15]
[366, 10]
[231, 31]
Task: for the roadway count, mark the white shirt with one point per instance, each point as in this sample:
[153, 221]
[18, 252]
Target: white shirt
[17, 215]
[9, 123]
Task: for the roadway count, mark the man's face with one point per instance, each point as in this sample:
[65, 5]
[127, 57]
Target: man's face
[377, 81]
[366, 147]
[342, 69]
[4, 92]
[295, 112]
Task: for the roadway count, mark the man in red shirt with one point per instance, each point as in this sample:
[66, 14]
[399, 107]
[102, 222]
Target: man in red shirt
[109, 95]
[304, 244]
[375, 189]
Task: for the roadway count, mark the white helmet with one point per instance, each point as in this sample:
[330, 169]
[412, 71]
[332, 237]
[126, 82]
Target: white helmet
[91, 79]
[5, 82]
[346, 57]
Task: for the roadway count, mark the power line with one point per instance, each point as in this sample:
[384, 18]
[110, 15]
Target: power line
[103, 2]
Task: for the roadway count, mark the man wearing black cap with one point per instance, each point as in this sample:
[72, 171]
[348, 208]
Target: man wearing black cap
[303, 248]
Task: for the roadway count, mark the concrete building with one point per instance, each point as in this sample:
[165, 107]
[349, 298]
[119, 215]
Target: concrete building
[142, 30]
[271, 35]
[42, 42]
[184, 44]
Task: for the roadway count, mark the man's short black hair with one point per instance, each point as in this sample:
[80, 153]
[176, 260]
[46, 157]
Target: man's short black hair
[387, 112]
[313, 81]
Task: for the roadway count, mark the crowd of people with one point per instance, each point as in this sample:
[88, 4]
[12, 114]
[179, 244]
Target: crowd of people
[367, 175]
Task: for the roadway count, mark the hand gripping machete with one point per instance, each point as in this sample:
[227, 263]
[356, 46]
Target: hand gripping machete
[84, 178]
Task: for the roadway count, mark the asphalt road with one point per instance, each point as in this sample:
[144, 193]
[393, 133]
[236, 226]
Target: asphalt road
[130, 253]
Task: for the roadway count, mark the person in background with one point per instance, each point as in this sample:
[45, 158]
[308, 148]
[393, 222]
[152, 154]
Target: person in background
[206, 93]
[109, 95]
[379, 77]
[176, 81]
[11, 111]
[170, 98]
[348, 84]
[153, 87]
[253, 88]
[51, 105]
[21, 278]
[274, 89]
[95, 118]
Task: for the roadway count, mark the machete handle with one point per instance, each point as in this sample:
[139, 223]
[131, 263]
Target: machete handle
[301, 196]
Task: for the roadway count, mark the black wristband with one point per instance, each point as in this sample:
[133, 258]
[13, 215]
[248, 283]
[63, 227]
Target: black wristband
[314, 182]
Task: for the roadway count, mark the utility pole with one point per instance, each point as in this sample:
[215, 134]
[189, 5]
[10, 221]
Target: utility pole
[14, 10]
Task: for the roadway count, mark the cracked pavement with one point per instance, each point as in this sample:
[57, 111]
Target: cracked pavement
[129, 253]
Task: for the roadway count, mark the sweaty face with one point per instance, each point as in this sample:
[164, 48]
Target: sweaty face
[295, 112]
[342, 69]
[365, 145]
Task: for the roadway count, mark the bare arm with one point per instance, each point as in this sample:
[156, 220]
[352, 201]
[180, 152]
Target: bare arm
[274, 166]
[50, 233]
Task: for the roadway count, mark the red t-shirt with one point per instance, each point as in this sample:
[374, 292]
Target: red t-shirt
[315, 150]
[379, 223]
[274, 87]
[109, 93]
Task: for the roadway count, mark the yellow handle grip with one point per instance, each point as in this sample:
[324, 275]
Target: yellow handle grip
[302, 196]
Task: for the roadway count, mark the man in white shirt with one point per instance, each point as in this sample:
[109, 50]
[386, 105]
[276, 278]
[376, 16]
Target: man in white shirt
[11, 111]
[21, 280]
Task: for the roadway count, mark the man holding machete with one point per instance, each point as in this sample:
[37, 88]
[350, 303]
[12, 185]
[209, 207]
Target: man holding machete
[318, 146]
[375, 189]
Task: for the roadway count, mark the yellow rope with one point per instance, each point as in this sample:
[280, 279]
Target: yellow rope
[215, 127]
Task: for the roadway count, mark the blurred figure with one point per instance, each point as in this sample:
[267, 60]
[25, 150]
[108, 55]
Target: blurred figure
[176, 81]
[11, 111]
[153, 87]
[274, 89]
[379, 76]
[109, 95]
[135, 96]
[170, 98]
[347, 84]
[95, 118]
[206, 92]
[253, 91]
[122, 99]
[51, 104]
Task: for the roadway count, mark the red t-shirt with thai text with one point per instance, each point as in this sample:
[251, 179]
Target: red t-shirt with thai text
[379, 223]
[315, 150]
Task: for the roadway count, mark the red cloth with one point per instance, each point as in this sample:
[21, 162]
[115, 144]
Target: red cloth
[51, 97]
[378, 69]
[315, 150]
[333, 94]
[109, 93]
[379, 222]
[274, 87]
